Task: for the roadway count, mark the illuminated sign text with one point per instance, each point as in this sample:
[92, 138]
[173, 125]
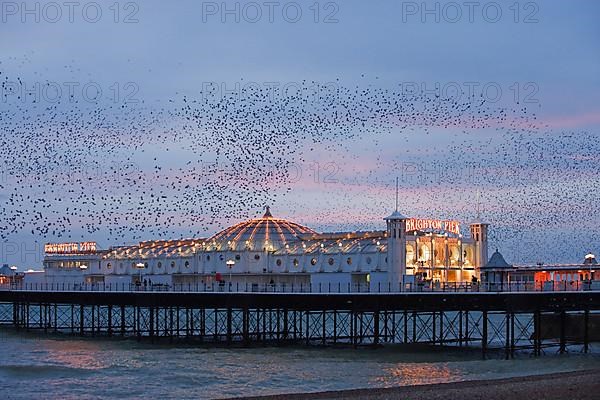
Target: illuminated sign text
[419, 224]
[70, 248]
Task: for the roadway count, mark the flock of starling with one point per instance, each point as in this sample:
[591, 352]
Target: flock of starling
[189, 165]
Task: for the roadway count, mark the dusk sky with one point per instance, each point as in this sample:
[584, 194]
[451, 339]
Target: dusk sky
[500, 99]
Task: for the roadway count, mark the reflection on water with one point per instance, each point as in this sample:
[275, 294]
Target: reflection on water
[418, 374]
[31, 366]
[80, 355]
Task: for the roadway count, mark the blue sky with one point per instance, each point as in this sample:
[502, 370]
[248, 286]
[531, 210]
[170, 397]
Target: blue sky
[545, 63]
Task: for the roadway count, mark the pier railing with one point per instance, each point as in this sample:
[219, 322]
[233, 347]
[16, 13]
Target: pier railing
[465, 287]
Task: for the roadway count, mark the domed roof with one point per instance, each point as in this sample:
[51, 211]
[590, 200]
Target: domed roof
[395, 215]
[260, 234]
[496, 261]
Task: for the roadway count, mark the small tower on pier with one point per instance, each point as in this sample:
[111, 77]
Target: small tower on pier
[396, 247]
[479, 234]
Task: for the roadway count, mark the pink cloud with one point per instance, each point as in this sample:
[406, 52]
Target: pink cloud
[574, 121]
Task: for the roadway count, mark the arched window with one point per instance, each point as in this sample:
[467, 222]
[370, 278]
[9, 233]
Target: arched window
[330, 261]
[454, 253]
[313, 261]
[349, 261]
[368, 260]
[425, 252]
[278, 262]
[410, 253]
[159, 265]
[108, 266]
[172, 264]
[257, 257]
[295, 262]
[237, 257]
[187, 264]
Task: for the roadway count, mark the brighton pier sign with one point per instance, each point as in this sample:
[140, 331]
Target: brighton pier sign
[421, 224]
[70, 248]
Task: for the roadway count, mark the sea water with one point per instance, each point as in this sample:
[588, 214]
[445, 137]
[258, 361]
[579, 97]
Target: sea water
[50, 367]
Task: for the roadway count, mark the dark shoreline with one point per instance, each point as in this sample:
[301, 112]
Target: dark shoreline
[584, 385]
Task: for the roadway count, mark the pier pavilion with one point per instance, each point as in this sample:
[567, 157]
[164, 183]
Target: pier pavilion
[274, 251]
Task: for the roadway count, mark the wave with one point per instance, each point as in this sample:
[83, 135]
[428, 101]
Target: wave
[37, 371]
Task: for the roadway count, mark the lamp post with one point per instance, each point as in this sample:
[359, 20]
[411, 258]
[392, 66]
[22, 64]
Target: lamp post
[421, 262]
[83, 268]
[140, 266]
[230, 263]
[591, 260]
[13, 279]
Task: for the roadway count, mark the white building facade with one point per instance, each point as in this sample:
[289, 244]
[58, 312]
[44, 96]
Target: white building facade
[275, 253]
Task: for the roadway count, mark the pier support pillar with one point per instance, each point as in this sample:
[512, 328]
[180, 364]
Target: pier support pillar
[586, 338]
[376, 328]
[537, 345]
[484, 334]
[229, 326]
[246, 326]
[563, 337]
[507, 338]
[109, 330]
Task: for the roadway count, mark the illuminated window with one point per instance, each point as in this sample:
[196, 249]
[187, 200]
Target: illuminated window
[330, 261]
[313, 261]
[468, 255]
[454, 253]
[410, 252]
[425, 252]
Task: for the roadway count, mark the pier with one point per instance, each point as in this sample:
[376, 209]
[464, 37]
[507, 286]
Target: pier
[493, 322]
